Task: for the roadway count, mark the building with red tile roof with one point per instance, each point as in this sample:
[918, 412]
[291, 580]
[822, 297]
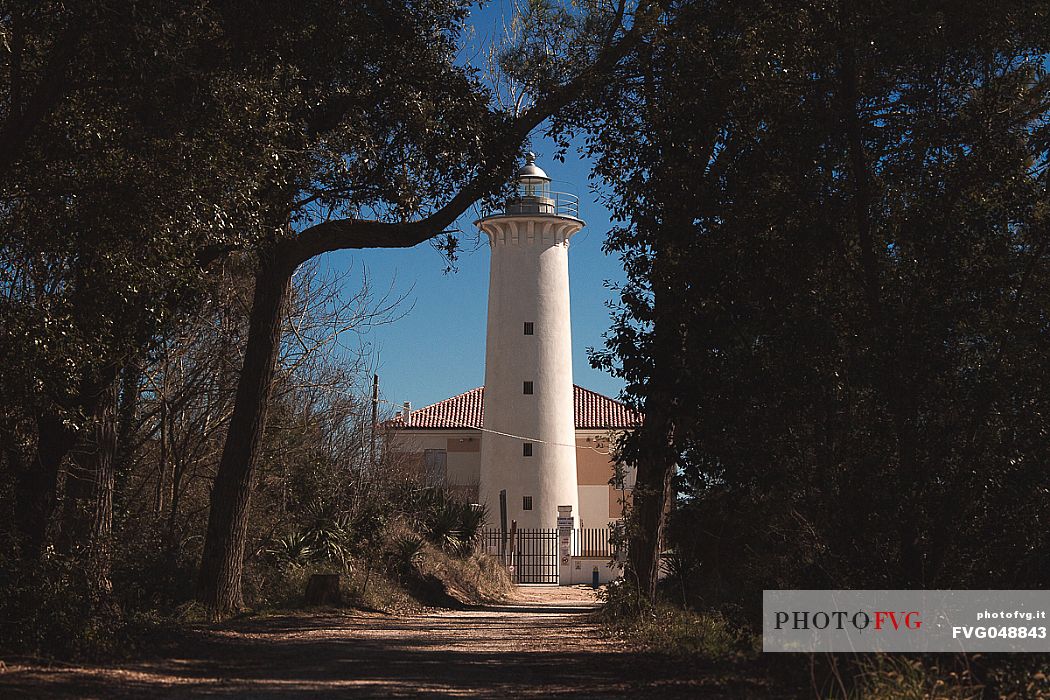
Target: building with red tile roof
[443, 442]
[592, 411]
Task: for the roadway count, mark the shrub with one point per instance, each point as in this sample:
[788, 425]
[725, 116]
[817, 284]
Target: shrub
[668, 629]
[404, 554]
[292, 550]
[448, 523]
[151, 573]
[47, 609]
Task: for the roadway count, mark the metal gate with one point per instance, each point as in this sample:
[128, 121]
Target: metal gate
[536, 556]
[533, 553]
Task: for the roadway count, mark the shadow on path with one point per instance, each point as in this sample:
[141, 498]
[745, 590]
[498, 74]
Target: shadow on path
[525, 649]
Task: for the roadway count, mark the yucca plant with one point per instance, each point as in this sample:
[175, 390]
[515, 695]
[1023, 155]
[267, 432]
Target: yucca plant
[332, 542]
[406, 552]
[443, 527]
[425, 504]
[472, 522]
[292, 550]
[455, 527]
[330, 535]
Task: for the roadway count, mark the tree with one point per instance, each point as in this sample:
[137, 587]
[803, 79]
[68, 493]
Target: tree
[833, 305]
[662, 134]
[414, 150]
[127, 164]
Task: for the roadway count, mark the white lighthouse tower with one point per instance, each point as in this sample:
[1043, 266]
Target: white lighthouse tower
[528, 448]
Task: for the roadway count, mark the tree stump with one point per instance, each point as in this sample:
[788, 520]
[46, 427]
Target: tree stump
[323, 589]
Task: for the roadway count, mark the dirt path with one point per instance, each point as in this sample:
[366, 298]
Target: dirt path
[542, 645]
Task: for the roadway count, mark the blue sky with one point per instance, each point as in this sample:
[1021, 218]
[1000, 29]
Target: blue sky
[437, 348]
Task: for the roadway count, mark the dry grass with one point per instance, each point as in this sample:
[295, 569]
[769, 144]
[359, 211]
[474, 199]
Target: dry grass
[949, 677]
[472, 580]
[890, 677]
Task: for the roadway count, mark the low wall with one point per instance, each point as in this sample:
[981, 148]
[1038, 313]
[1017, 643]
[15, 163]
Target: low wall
[581, 570]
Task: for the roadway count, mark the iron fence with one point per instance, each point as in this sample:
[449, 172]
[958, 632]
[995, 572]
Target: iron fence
[531, 554]
[591, 542]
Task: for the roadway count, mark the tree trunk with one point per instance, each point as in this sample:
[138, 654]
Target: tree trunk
[162, 452]
[651, 491]
[178, 469]
[884, 334]
[323, 589]
[103, 463]
[87, 508]
[657, 455]
[219, 579]
[656, 461]
[127, 409]
[36, 483]
[77, 492]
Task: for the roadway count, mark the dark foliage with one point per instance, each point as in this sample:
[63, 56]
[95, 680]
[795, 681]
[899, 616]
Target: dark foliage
[835, 232]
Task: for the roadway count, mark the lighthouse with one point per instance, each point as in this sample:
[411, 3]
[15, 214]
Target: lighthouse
[529, 446]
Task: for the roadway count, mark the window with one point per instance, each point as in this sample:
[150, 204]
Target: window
[529, 328]
[526, 502]
[526, 388]
[526, 449]
[435, 466]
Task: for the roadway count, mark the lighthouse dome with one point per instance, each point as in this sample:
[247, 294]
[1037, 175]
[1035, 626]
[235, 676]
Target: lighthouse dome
[530, 172]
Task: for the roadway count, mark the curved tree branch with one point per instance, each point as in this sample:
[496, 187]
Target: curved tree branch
[342, 234]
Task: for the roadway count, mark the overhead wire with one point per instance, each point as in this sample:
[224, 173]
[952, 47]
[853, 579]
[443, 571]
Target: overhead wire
[452, 425]
[539, 441]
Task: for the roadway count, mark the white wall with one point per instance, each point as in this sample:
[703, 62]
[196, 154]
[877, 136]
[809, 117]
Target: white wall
[529, 281]
[594, 506]
[582, 570]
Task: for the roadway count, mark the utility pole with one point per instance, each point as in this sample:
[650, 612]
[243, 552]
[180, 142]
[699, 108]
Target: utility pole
[375, 417]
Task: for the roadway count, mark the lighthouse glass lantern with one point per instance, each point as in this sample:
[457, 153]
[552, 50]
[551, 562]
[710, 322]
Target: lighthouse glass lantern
[533, 194]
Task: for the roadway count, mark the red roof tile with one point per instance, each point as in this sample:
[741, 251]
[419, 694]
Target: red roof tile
[592, 410]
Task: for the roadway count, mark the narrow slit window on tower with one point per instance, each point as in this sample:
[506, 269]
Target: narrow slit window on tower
[526, 388]
[530, 328]
[526, 449]
[526, 502]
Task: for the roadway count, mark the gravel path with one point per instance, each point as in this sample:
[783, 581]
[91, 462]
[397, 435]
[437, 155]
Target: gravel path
[541, 645]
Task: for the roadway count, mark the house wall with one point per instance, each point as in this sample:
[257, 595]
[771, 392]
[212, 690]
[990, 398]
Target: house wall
[462, 454]
[599, 503]
[581, 570]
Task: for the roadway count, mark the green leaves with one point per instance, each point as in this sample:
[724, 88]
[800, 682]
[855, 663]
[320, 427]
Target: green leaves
[448, 523]
[834, 235]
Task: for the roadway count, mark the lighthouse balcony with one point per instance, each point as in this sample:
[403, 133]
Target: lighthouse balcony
[531, 200]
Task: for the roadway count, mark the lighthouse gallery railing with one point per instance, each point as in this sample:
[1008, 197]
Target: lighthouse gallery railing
[551, 203]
